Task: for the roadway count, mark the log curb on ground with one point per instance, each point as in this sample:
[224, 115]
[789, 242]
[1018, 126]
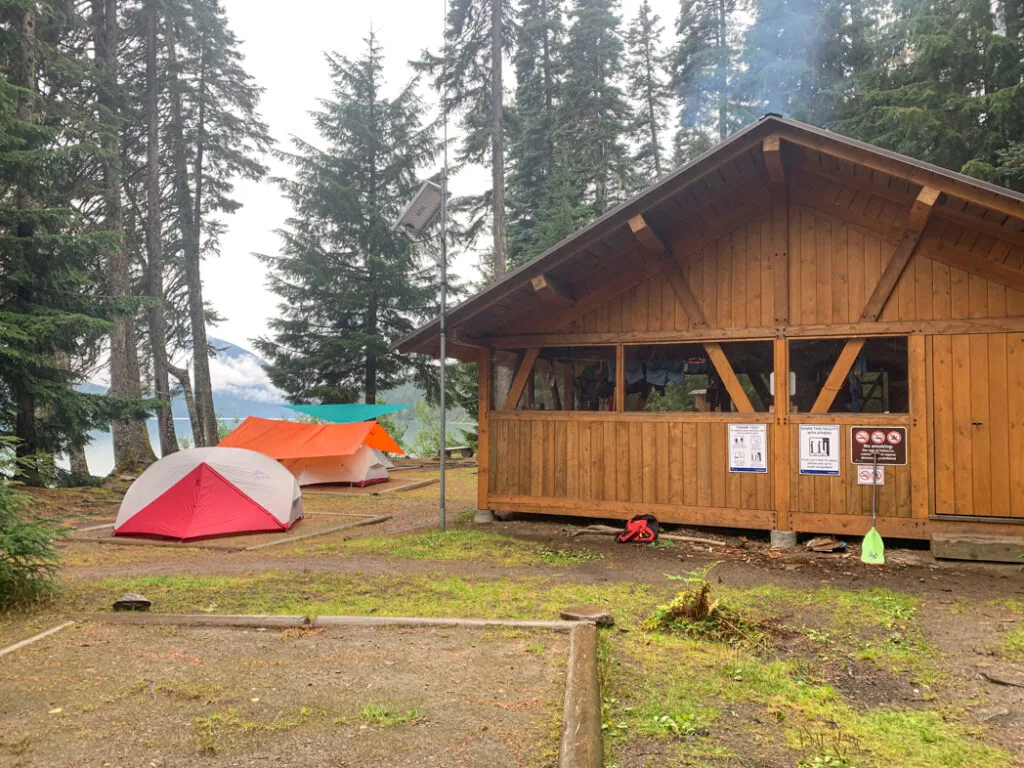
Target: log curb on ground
[581, 745]
[29, 640]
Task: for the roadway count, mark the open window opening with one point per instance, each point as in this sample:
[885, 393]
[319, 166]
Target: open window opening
[875, 376]
[559, 379]
[684, 377]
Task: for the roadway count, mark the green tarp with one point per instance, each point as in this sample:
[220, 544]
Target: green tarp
[347, 413]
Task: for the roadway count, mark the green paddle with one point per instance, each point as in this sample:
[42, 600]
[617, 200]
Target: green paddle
[872, 548]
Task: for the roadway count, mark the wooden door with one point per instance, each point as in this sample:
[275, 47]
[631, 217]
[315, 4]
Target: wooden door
[977, 392]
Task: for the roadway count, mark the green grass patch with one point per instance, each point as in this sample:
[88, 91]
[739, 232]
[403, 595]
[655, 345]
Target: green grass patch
[457, 545]
[316, 594]
[675, 689]
[386, 715]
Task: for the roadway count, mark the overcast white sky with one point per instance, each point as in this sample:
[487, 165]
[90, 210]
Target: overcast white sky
[283, 44]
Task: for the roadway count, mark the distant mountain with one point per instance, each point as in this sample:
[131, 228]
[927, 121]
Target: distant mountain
[240, 386]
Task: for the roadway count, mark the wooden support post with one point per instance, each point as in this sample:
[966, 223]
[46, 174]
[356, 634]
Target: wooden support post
[620, 378]
[483, 458]
[554, 290]
[917, 219]
[780, 254]
[772, 147]
[920, 464]
[652, 241]
[781, 452]
[523, 374]
[569, 387]
[837, 376]
[728, 377]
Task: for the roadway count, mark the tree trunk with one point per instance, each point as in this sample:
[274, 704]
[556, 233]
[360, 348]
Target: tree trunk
[497, 142]
[76, 457]
[723, 125]
[154, 244]
[131, 441]
[204, 428]
[181, 374]
[24, 75]
[197, 312]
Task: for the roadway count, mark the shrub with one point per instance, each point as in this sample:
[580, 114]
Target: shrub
[29, 561]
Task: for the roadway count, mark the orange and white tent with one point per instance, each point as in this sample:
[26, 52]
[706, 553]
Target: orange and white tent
[320, 453]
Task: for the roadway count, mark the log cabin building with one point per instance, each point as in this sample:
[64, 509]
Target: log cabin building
[713, 350]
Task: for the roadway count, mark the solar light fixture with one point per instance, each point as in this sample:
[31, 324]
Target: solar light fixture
[420, 211]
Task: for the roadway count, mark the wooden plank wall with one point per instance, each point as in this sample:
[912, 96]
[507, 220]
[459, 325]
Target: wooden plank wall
[834, 265]
[978, 424]
[679, 459]
[841, 495]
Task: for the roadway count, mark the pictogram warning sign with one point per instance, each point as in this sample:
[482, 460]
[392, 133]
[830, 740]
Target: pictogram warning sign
[888, 444]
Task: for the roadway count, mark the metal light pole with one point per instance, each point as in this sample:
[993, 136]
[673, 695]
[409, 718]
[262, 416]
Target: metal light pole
[412, 222]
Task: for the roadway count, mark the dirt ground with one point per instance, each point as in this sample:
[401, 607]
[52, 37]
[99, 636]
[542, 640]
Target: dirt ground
[867, 667]
[114, 695]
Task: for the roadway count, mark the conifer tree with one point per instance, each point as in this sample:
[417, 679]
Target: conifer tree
[51, 306]
[538, 69]
[593, 113]
[478, 35]
[350, 286]
[649, 93]
[703, 75]
[946, 87]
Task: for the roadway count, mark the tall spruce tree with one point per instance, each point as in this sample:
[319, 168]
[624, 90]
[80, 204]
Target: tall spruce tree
[51, 306]
[214, 136]
[538, 68]
[350, 286]
[478, 36]
[592, 112]
[704, 64]
[945, 87]
[649, 93]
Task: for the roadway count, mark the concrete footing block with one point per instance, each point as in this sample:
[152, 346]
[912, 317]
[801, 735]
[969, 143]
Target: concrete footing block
[785, 539]
[483, 516]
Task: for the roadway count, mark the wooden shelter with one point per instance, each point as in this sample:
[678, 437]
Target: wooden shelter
[774, 294]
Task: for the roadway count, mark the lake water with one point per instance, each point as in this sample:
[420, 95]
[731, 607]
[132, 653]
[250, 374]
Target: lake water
[100, 451]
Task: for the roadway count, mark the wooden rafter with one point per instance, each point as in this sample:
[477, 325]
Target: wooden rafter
[974, 264]
[985, 226]
[922, 176]
[648, 238]
[837, 376]
[772, 147]
[553, 289]
[523, 374]
[917, 219]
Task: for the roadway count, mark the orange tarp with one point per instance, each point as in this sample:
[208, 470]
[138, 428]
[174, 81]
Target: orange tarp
[296, 440]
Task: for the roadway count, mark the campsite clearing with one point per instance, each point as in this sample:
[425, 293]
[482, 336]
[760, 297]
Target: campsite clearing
[104, 694]
[838, 664]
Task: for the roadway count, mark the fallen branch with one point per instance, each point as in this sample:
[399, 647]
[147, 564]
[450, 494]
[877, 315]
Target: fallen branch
[608, 530]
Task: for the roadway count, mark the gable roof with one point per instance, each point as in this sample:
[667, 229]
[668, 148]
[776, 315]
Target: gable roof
[677, 194]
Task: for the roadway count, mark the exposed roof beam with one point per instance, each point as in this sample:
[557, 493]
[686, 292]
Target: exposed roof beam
[972, 263]
[984, 226]
[905, 170]
[772, 147]
[553, 289]
[648, 238]
[917, 219]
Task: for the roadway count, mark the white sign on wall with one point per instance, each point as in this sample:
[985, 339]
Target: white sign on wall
[819, 449]
[864, 475]
[748, 447]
